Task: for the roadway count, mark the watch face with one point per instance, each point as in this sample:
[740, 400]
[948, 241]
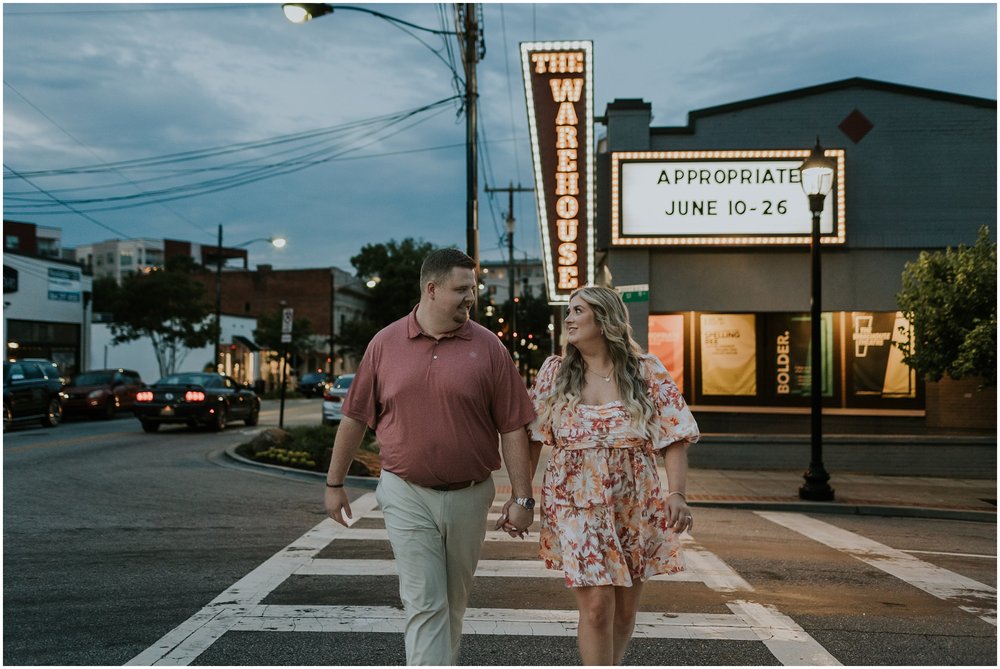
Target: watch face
[526, 502]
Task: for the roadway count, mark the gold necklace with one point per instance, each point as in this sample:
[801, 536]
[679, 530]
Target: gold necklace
[607, 379]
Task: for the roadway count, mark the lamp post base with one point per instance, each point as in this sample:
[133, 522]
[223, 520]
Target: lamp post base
[817, 487]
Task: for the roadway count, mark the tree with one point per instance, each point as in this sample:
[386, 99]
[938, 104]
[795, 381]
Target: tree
[394, 269]
[168, 306]
[106, 291]
[950, 301]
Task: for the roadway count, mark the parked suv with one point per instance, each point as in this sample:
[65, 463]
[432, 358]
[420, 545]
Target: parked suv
[31, 392]
[312, 384]
[101, 393]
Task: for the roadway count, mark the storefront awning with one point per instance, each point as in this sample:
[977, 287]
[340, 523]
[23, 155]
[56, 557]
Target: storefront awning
[240, 339]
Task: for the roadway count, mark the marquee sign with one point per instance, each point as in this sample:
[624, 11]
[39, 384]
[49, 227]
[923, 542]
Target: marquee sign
[558, 87]
[719, 197]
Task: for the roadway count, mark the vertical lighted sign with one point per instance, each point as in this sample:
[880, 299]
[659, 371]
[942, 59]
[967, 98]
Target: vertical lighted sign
[558, 87]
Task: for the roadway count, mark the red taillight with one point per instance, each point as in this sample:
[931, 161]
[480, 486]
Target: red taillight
[144, 396]
[194, 396]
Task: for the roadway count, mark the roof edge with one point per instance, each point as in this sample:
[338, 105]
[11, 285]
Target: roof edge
[859, 82]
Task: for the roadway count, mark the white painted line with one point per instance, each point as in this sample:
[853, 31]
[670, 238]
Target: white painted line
[521, 622]
[972, 596]
[788, 642]
[967, 555]
[486, 569]
[713, 572]
[187, 641]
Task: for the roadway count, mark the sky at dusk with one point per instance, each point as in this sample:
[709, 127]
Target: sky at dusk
[166, 120]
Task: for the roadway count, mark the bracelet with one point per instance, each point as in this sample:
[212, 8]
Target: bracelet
[334, 485]
[678, 492]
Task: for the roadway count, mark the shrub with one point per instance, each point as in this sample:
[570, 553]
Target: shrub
[304, 447]
[950, 300]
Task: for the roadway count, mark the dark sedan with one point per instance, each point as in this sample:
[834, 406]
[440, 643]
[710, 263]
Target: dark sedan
[101, 393]
[31, 392]
[196, 398]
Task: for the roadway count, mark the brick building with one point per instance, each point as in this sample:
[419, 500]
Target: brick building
[328, 297]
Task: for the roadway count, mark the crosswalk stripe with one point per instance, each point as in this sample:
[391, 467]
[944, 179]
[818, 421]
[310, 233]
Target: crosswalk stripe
[786, 640]
[487, 568]
[521, 622]
[972, 596]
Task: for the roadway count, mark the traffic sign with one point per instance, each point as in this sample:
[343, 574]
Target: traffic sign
[634, 293]
[286, 322]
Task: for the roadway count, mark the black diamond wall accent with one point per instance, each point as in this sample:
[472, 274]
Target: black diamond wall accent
[856, 126]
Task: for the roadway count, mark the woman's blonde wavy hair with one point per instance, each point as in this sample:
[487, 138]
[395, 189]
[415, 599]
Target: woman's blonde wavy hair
[611, 316]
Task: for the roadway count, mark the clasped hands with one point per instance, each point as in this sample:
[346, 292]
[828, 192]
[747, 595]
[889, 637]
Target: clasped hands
[515, 519]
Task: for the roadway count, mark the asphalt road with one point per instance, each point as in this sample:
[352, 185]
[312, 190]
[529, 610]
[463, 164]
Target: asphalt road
[123, 546]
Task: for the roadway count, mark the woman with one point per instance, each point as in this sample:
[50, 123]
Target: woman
[605, 408]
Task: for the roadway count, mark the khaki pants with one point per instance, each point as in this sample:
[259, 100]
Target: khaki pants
[436, 538]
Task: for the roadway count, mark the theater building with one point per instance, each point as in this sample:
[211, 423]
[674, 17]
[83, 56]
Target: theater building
[708, 227]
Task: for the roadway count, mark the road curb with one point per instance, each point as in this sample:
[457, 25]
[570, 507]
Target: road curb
[834, 508]
[366, 482]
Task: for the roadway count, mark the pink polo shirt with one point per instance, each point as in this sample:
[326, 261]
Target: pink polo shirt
[438, 405]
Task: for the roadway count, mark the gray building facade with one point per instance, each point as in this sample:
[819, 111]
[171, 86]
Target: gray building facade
[919, 174]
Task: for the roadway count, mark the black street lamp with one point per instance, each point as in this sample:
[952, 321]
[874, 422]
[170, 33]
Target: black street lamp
[817, 179]
[473, 49]
[276, 242]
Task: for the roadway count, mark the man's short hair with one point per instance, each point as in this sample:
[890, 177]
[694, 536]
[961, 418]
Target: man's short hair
[438, 265]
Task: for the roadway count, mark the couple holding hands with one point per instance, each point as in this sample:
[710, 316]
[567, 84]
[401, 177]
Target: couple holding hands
[438, 388]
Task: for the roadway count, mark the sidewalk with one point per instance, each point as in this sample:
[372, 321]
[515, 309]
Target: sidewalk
[771, 490]
[858, 494]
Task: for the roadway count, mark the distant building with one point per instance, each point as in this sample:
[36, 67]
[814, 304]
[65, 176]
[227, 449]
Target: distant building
[495, 275]
[328, 297]
[32, 240]
[46, 310]
[120, 257]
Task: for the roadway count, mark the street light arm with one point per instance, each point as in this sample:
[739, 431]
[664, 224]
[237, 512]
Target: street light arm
[306, 11]
[276, 242]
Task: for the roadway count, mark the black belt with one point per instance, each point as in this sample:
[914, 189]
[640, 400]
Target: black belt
[447, 487]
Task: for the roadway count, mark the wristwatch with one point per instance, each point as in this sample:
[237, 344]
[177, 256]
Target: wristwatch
[527, 502]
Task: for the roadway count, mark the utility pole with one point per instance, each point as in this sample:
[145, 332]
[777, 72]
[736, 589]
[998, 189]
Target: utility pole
[510, 190]
[218, 301]
[473, 50]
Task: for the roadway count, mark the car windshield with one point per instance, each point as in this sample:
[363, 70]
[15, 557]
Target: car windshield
[313, 377]
[343, 382]
[192, 378]
[92, 379]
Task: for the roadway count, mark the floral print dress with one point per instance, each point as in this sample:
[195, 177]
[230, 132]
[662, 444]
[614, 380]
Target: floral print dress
[604, 519]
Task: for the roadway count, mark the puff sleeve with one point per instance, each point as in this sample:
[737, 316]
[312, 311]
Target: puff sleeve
[543, 387]
[674, 418]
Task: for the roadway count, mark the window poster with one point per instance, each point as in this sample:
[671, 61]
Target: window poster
[876, 362]
[666, 342]
[789, 355]
[728, 354]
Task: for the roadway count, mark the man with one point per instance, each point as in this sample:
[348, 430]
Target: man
[437, 388]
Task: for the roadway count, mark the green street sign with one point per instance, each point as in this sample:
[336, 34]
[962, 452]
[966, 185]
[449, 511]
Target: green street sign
[636, 296]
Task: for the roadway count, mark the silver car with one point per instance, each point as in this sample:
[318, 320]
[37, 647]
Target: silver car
[333, 398]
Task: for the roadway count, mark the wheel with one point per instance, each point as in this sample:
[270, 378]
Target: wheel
[150, 425]
[254, 416]
[8, 418]
[53, 416]
[219, 424]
